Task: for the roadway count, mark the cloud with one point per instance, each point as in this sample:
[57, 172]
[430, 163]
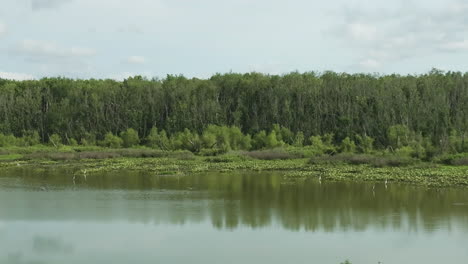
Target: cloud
[49, 58]
[370, 64]
[378, 36]
[455, 46]
[35, 48]
[16, 76]
[134, 29]
[3, 29]
[361, 31]
[135, 60]
[46, 4]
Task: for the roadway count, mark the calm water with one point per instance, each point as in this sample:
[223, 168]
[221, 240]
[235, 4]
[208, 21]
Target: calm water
[131, 217]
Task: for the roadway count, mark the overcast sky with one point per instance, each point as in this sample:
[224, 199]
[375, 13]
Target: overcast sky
[118, 38]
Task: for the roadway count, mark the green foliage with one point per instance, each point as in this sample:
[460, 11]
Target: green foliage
[259, 140]
[398, 136]
[426, 112]
[365, 144]
[7, 140]
[111, 141]
[158, 140]
[187, 140]
[272, 140]
[88, 139]
[55, 140]
[348, 146]
[299, 139]
[30, 138]
[405, 151]
[322, 144]
[72, 142]
[317, 144]
[130, 138]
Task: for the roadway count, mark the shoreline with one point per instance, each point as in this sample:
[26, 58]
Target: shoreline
[182, 163]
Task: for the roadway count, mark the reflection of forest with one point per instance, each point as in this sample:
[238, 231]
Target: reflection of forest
[230, 200]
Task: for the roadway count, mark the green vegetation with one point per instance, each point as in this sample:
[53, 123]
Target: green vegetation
[419, 116]
[292, 162]
[384, 124]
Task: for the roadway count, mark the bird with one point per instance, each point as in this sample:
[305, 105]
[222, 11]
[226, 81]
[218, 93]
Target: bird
[43, 188]
[17, 164]
[74, 179]
[84, 174]
[386, 183]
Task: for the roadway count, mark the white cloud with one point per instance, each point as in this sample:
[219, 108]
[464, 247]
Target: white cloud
[362, 31]
[379, 36]
[45, 4]
[455, 45]
[3, 29]
[136, 60]
[16, 76]
[370, 64]
[37, 48]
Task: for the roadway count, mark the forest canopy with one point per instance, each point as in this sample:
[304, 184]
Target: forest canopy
[241, 111]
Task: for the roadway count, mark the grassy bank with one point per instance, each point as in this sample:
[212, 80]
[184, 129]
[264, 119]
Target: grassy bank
[293, 164]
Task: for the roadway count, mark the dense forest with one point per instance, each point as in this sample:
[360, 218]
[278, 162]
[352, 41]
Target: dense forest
[245, 111]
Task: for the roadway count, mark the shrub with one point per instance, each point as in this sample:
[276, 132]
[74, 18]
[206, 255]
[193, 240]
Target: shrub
[259, 140]
[187, 141]
[55, 140]
[406, 151]
[111, 141]
[317, 144]
[299, 139]
[347, 146]
[272, 140]
[130, 138]
[398, 136]
[88, 139]
[454, 159]
[7, 140]
[30, 138]
[72, 142]
[365, 144]
[158, 140]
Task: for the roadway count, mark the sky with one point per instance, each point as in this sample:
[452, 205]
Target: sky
[198, 38]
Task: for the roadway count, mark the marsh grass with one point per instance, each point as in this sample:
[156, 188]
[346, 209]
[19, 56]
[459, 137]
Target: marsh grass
[454, 159]
[107, 154]
[274, 154]
[359, 159]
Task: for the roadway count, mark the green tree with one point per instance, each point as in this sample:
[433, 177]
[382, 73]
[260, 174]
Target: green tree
[348, 146]
[299, 139]
[260, 140]
[55, 140]
[111, 141]
[365, 144]
[130, 138]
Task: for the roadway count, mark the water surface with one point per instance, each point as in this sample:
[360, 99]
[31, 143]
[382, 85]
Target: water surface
[124, 217]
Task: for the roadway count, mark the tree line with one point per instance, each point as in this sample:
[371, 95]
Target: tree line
[427, 111]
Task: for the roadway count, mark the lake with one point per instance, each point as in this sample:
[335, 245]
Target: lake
[48, 217]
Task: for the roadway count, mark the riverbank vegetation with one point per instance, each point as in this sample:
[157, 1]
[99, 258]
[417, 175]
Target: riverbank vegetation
[423, 115]
[293, 167]
[246, 121]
